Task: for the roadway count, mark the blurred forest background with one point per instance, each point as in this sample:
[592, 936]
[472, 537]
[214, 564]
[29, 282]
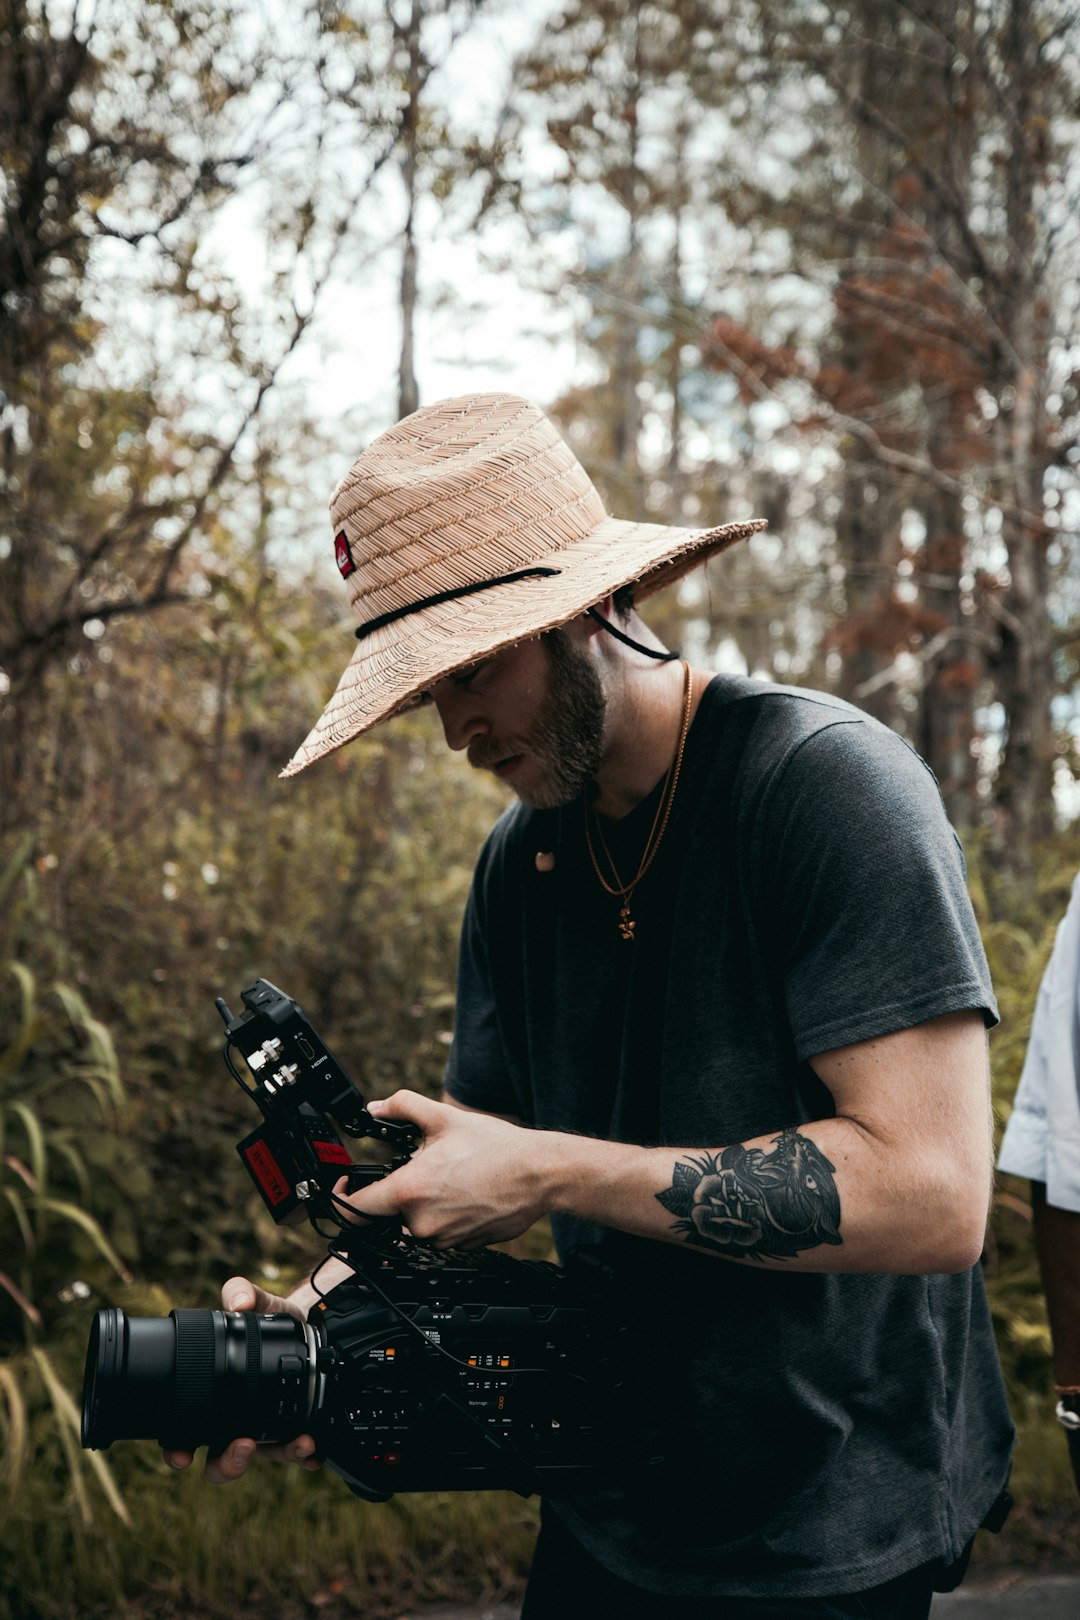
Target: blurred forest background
[811, 261]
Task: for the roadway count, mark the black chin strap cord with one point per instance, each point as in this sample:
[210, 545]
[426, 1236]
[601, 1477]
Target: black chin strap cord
[620, 635]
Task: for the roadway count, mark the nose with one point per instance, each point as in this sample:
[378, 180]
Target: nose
[462, 721]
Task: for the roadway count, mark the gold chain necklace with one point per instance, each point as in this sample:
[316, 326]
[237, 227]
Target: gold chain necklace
[625, 891]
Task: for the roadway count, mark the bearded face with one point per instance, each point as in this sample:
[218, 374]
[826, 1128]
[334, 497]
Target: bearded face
[563, 743]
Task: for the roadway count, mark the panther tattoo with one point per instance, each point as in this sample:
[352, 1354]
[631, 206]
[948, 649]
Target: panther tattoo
[764, 1206]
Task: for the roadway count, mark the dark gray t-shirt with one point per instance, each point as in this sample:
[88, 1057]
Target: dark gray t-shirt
[821, 1433]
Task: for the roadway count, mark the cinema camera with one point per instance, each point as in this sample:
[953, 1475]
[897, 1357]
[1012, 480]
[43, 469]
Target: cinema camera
[427, 1370]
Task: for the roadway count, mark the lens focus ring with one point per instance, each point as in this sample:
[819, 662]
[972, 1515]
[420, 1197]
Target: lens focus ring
[195, 1369]
[252, 1361]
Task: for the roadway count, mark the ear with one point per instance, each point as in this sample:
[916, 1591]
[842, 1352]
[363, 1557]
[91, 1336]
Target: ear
[605, 608]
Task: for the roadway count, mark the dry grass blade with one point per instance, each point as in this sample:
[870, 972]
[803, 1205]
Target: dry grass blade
[109, 1486]
[25, 1305]
[67, 1427]
[35, 1141]
[30, 1024]
[17, 1429]
[79, 1217]
[70, 1428]
[13, 1197]
[100, 1062]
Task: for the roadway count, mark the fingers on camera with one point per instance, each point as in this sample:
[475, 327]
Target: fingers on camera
[231, 1463]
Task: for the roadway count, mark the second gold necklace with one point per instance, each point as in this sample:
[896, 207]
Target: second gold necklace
[625, 891]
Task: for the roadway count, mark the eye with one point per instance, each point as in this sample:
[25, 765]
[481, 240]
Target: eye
[466, 677]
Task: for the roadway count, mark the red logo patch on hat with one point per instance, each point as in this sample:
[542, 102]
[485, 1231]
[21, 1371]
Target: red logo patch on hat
[343, 555]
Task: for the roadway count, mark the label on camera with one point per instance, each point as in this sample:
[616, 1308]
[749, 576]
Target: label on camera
[331, 1152]
[267, 1172]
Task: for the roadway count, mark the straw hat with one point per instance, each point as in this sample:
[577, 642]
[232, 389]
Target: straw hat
[469, 527]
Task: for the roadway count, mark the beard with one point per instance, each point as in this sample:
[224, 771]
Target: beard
[566, 740]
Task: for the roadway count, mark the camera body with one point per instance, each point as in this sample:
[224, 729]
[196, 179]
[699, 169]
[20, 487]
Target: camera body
[492, 1385]
[426, 1370]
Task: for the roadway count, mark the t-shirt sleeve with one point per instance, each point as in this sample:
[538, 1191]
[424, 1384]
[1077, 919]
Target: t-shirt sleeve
[1042, 1138]
[866, 890]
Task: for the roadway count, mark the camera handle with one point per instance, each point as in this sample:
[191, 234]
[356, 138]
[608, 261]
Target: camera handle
[396, 1133]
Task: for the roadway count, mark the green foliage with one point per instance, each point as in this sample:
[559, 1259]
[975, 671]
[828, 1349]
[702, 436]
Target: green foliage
[305, 1542]
[60, 1094]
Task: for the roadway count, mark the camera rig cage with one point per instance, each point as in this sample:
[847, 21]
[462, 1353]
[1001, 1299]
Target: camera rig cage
[296, 1157]
[433, 1369]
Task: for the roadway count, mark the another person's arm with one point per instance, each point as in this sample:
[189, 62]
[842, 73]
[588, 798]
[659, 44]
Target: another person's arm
[1057, 1243]
[1042, 1144]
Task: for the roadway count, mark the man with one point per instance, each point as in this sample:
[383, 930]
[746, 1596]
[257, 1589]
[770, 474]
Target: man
[1042, 1142]
[722, 1010]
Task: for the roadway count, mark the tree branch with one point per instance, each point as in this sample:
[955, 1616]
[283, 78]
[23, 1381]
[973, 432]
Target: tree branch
[901, 667]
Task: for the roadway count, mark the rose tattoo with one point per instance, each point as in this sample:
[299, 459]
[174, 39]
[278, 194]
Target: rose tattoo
[766, 1206]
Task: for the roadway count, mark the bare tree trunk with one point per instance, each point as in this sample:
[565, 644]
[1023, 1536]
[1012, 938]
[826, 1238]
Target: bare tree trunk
[951, 678]
[946, 728]
[675, 477]
[1024, 663]
[628, 291]
[860, 545]
[408, 391]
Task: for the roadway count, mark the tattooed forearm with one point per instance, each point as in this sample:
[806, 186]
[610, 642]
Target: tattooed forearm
[760, 1206]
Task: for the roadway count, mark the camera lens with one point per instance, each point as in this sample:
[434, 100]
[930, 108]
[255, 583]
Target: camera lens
[197, 1378]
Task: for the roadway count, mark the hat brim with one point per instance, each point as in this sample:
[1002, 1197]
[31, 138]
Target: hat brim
[396, 663]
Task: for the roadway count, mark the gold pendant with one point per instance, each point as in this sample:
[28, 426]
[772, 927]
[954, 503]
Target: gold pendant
[626, 925]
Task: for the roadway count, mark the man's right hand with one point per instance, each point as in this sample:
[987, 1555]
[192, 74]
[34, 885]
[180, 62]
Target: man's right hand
[231, 1464]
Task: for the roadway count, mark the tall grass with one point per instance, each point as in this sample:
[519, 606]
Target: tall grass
[60, 1098]
[278, 1542]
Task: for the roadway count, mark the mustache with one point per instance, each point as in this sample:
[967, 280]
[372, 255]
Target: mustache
[486, 753]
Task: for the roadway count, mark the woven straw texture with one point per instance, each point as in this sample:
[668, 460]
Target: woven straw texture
[455, 496]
